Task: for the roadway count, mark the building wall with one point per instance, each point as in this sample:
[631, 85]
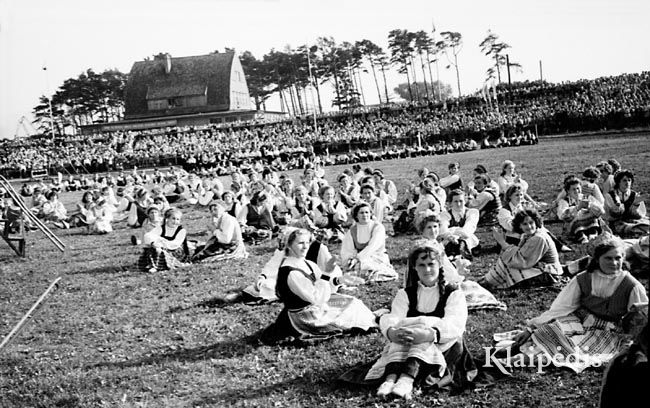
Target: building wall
[239, 95]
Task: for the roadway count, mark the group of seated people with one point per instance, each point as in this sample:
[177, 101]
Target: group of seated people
[558, 108]
[334, 236]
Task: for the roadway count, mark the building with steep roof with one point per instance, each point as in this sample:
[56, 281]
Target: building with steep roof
[185, 91]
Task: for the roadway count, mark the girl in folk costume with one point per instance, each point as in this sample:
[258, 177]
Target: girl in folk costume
[226, 240]
[534, 257]
[626, 215]
[230, 204]
[330, 215]
[154, 219]
[378, 206]
[486, 201]
[264, 287]
[582, 327]
[311, 310]
[54, 211]
[458, 226]
[387, 186]
[103, 217]
[257, 220]
[348, 191]
[84, 216]
[302, 212]
[453, 180]
[165, 246]
[581, 214]
[513, 203]
[138, 210]
[364, 246]
[509, 177]
[424, 332]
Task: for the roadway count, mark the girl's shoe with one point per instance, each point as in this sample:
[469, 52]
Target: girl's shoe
[403, 388]
[385, 388]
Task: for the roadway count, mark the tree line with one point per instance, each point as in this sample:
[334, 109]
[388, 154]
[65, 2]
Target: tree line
[291, 72]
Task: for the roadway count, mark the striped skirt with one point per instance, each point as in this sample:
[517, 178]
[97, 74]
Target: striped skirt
[503, 277]
[162, 260]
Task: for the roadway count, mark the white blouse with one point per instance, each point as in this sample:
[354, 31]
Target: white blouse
[602, 285]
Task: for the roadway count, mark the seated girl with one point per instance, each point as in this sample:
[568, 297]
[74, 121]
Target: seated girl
[154, 219]
[330, 215]
[582, 326]
[256, 219]
[264, 287]
[626, 216]
[458, 227]
[486, 201]
[379, 206]
[534, 257]
[138, 208]
[302, 211]
[513, 203]
[581, 215]
[509, 177]
[165, 247]
[225, 240]
[54, 211]
[363, 249]
[424, 332]
[311, 311]
[103, 217]
[84, 216]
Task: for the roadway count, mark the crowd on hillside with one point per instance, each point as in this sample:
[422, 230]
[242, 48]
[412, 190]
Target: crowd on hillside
[362, 135]
[332, 236]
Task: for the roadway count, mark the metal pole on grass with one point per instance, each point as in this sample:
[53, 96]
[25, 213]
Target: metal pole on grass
[22, 321]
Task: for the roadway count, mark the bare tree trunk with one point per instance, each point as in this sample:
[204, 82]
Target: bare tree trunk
[363, 96]
[457, 73]
[383, 73]
[424, 76]
[374, 75]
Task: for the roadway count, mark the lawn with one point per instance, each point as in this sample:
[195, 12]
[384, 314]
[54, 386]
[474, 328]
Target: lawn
[110, 336]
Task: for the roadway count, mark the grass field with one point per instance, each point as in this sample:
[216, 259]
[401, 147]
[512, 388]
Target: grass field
[112, 337]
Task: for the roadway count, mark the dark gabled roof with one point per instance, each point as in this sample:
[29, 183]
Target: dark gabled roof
[168, 89]
[188, 76]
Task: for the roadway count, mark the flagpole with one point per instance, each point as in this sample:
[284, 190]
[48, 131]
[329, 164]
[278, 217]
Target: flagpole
[311, 90]
[433, 38]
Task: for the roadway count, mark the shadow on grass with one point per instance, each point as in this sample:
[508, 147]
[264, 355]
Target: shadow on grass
[225, 349]
[231, 298]
[308, 392]
[109, 269]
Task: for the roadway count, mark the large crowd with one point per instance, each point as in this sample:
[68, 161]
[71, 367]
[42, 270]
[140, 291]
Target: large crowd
[523, 110]
[332, 237]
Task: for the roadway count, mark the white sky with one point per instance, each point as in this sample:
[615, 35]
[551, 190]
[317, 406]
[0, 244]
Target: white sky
[573, 38]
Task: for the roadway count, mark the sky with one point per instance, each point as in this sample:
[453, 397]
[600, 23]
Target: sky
[573, 39]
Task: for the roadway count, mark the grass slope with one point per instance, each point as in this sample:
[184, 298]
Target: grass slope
[112, 337]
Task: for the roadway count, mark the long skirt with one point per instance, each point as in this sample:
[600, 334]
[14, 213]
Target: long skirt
[341, 314]
[503, 277]
[376, 267]
[162, 260]
[577, 341]
[630, 228]
[459, 371]
[218, 251]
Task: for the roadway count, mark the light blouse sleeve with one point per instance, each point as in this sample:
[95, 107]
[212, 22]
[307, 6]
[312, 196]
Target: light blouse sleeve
[398, 311]
[227, 231]
[377, 241]
[449, 180]
[347, 247]
[505, 218]
[316, 293]
[566, 302]
[527, 254]
[152, 236]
